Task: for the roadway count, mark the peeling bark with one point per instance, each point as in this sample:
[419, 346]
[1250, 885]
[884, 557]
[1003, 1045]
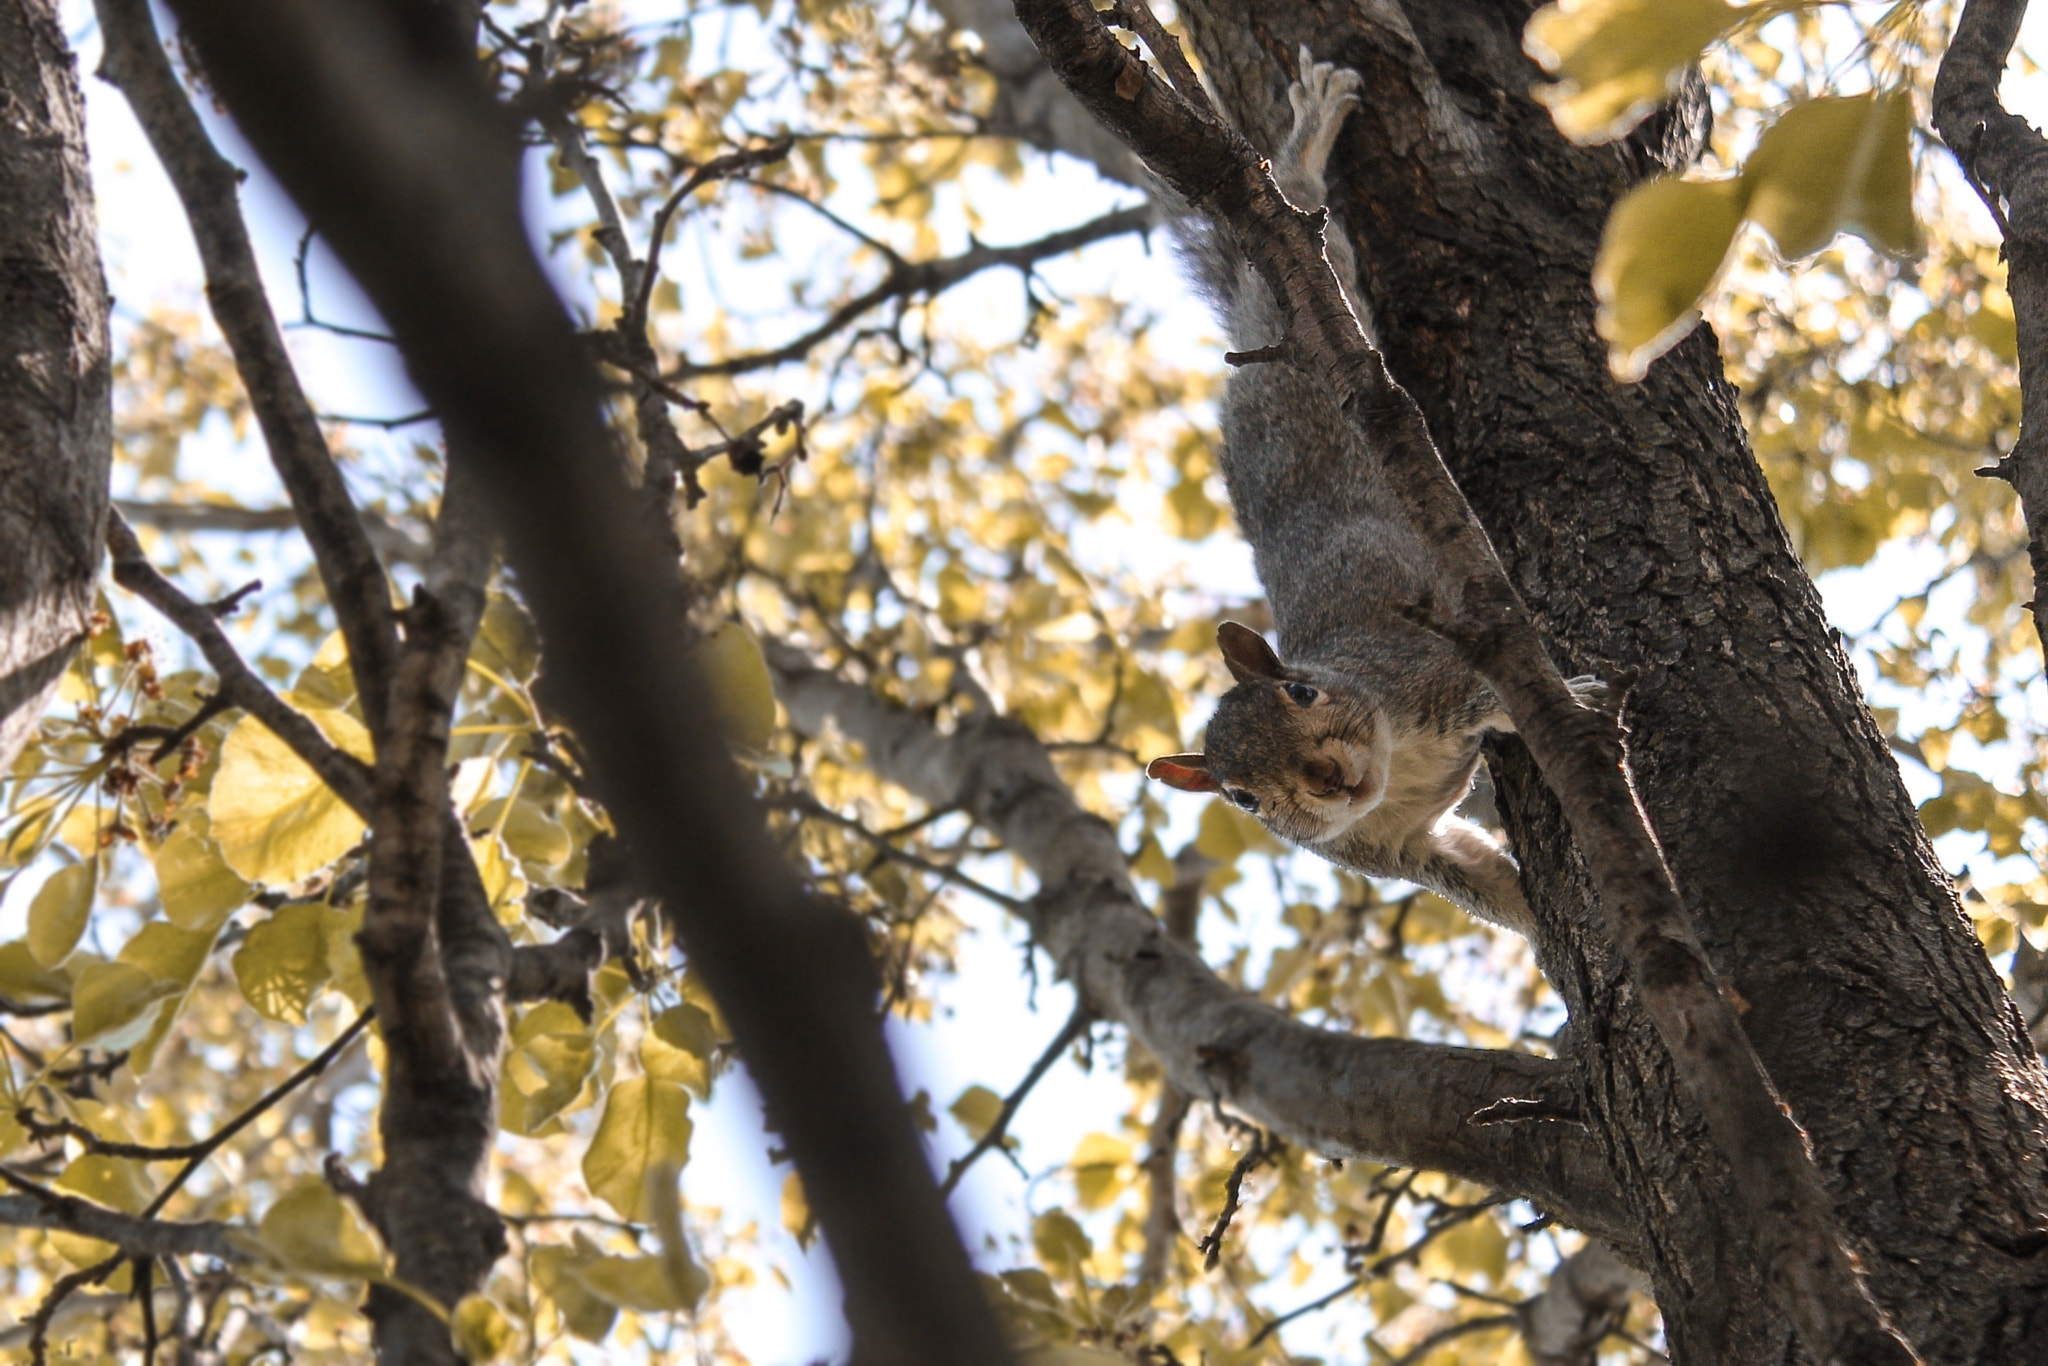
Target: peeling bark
[56, 415]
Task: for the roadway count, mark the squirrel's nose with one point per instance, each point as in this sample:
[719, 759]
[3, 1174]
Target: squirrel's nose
[1324, 777]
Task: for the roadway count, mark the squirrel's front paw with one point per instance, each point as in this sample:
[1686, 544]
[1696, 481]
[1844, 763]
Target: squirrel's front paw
[1590, 690]
[1321, 96]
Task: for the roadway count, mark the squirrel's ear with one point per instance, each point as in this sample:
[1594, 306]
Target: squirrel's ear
[1188, 772]
[1246, 652]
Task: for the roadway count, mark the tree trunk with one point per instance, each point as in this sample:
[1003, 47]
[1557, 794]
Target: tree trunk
[56, 422]
[1642, 535]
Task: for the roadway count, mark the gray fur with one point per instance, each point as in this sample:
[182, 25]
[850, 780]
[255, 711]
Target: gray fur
[1367, 773]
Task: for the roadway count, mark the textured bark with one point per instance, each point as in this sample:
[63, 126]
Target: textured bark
[1639, 530]
[56, 419]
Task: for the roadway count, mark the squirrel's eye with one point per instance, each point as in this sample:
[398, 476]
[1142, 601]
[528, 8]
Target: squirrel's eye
[1242, 798]
[1302, 693]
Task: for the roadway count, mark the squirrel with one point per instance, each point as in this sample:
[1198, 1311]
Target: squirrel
[1358, 747]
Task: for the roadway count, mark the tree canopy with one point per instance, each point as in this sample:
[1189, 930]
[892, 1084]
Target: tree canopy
[893, 351]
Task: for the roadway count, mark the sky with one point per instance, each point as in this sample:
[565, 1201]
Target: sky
[991, 1028]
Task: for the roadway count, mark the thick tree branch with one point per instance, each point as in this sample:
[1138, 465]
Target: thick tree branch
[239, 685]
[388, 138]
[1386, 1100]
[2006, 161]
[1578, 750]
[208, 187]
[911, 279]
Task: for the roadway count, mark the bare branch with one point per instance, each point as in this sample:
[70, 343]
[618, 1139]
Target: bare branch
[1578, 750]
[239, 685]
[912, 279]
[1076, 1025]
[207, 186]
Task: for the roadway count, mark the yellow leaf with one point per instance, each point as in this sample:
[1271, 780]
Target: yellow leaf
[1616, 60]
[284, 961]
[58, 916]
[641, 1284]
[344, 959]
[1060, 1242]
[274, 820]
[198, 890]
[311, 1231]
[678, 1047]
[586, 1315]
[506, 642]
[114, 1005]
[117, 1183]
[646, 1121]
[23, 979]
[1663, 248]
[172, 956]
[481, 1330]
[1099, 1169]
[1191, 513]
[797, 1218]
[328, 681]
[1993, 324]
[551, 1055]
[1842, 163]
[733, 665]
[977, 1109]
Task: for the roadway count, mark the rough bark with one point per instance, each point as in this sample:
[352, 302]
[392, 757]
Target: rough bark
[1639, 530]
[56, 418]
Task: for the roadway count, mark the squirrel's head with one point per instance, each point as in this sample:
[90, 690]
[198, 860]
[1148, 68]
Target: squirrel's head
[1307, 758]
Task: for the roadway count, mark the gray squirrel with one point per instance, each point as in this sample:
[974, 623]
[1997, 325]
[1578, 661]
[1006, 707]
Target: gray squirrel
[1361, 744]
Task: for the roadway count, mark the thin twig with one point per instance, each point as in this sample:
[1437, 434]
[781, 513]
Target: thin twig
[1076, 1025]
[1262, 1149]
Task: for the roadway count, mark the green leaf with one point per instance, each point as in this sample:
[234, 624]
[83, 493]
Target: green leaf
[646, 1124]
[58, 916]
[732, 663]
[274, 820]
[312, 1231]
[1841, 163]
[1664, 247]
[198, 890]
[1616, 60]
[283, 962]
